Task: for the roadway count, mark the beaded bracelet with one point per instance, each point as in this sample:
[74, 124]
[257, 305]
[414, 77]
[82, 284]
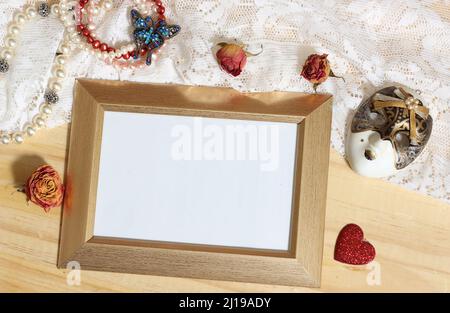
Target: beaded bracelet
[125, 52]
[77, 11]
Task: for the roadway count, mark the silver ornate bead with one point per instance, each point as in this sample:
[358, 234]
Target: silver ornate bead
[51, 97]
[4, 66]
[43, 9]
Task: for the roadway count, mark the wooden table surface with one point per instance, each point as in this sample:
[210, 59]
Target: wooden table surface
[411, 233]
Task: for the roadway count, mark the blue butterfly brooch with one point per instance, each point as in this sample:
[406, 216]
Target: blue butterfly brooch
[149, 35]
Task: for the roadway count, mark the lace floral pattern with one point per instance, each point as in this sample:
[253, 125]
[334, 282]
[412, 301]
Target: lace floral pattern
[373, 43]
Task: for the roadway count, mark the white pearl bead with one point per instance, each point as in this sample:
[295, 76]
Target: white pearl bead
[20, 18]
[69, 22]
[10, 42]
[142, 7]
[95, 10]
[5, 139]
[31, 12]
[55, 9]
[91, 27]
[18, 138]
[73, 3]
[13, 29]
[59, 72]
[7, 54]
[62, 12]
[61, 60]
[39, 121]
[108, 4]
[55, 86]
[64, 49]
[30, 130]
[71, 29]
[46, 109]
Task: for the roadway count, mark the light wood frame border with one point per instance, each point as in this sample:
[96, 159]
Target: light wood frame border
[299, 266]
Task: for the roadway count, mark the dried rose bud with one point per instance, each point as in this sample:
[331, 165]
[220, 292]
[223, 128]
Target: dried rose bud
[317, 69]
[232, 58]
[45, 188]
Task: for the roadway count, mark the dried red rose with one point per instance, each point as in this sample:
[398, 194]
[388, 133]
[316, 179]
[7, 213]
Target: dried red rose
[232, 58]
[45, 188]
[317, 68]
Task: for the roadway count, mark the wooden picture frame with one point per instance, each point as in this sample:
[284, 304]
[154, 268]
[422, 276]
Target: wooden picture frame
[300, 265]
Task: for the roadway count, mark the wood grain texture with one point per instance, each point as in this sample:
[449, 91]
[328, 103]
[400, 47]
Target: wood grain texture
[76, 225]
[204, 101]
[411, 233]
[313, 191]
[299, 266]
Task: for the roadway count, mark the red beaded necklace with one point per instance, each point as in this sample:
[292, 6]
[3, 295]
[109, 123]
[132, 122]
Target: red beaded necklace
[104, 47]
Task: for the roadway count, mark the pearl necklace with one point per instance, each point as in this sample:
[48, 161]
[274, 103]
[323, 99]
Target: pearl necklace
[82, 33]
[54, 83]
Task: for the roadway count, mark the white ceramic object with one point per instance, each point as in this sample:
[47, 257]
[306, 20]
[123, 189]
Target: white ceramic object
[370, 156]
[380, 141]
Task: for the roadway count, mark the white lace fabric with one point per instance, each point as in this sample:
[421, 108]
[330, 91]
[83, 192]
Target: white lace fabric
[372, 43]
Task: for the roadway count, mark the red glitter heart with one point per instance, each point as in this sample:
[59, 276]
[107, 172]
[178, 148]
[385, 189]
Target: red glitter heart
[351, 248]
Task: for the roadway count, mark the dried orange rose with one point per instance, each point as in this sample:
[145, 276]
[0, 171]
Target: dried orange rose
[45, 188]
